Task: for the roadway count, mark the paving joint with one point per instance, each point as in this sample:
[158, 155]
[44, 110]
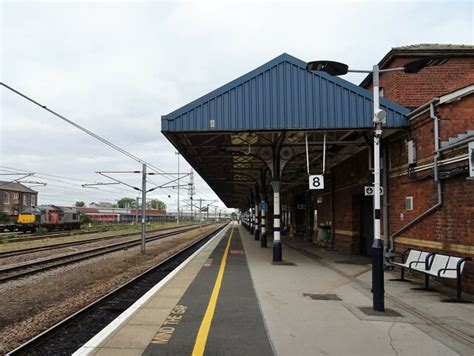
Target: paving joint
[364, 288]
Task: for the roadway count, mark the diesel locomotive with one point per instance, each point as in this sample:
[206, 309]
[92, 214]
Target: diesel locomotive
[49, 217]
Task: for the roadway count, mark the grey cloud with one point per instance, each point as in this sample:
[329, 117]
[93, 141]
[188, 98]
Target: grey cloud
[117, 67]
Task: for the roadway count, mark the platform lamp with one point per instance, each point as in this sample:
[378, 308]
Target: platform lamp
[336, 69]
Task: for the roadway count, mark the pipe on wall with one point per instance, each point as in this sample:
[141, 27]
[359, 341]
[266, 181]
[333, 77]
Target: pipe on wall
[435, 173]
[388, 242]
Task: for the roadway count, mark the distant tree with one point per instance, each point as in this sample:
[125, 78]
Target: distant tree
[80, 204]
[126, 202]
[157, 204]
[4, 218]
[85, 219]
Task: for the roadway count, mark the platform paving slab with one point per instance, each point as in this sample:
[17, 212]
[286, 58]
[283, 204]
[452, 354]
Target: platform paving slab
[133, 335]
[237, 326]
[335, 328]
[298, 325]
[267, 312]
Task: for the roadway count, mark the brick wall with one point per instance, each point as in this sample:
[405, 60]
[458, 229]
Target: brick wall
[457, 117]
[349, 178]
[449, 229]
[413, 90]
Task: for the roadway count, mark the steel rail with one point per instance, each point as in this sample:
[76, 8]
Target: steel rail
[29, 268]
[30, 344]
[37, 236]
[24, 251]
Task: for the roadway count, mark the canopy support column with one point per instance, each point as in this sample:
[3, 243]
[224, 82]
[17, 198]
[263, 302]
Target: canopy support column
[277, 253]
[263, 212]
[257, 214]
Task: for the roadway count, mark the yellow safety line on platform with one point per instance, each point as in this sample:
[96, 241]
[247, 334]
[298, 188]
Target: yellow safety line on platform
[203, 333]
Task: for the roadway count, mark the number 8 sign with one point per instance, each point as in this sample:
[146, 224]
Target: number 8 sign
[316, 182]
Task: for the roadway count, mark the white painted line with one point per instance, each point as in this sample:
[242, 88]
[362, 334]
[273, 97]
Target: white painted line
[93, 343]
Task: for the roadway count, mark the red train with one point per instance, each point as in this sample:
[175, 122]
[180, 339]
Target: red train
[151, 216]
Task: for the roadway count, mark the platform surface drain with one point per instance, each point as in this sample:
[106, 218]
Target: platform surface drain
[322, 296]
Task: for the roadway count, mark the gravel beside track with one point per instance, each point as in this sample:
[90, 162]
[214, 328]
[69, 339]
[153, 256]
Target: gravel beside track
[37, 252]
[31, 305]
[20, 236]
[31, 267]
[77, 235]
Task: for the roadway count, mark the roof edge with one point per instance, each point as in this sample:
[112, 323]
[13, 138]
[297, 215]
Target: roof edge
[443, 99]
[421, 50]
[281, 58]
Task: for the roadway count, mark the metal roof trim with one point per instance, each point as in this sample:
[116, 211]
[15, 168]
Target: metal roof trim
[284, 57]
[396, 109]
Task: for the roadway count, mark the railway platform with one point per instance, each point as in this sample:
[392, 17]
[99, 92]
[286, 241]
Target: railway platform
[229, 299]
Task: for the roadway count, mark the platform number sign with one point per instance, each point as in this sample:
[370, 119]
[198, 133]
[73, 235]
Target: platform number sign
[316, 182]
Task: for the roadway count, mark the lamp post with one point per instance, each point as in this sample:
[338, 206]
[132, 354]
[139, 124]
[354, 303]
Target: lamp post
[379, 118]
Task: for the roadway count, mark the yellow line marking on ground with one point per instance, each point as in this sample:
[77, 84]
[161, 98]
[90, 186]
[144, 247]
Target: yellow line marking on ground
[203, 332]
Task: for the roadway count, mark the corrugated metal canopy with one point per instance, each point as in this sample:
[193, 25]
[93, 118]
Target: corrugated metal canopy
[282, 95]
[228, 135]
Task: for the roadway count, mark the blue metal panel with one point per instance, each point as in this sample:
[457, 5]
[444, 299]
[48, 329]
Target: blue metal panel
[283, 95]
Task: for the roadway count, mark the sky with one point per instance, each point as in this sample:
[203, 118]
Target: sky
[116, 67]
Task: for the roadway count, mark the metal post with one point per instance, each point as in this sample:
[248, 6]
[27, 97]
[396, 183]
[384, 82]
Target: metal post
[386, 227]
[143, 206]
[333, 209]
[191, 191]
[377, 247]
[136, 209]
[177, 219]
[257, 221]
[263, 235]
[253, 220]
[200, 213]
[276, 222]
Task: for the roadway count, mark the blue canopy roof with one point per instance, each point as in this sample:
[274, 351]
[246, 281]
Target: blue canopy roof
[282, 95]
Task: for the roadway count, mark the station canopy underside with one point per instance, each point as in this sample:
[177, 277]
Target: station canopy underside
[229, 135]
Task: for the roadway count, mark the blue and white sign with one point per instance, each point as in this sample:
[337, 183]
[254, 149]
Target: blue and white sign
[263, 205]
[369, 190]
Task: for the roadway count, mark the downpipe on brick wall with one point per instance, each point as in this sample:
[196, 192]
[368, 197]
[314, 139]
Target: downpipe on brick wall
[436, 179]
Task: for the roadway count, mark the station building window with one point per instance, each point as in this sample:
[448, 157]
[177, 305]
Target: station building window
[6, 198]
[33, 200]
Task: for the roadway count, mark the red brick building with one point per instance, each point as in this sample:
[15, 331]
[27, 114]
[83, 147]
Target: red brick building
[15, 197]
[427, 210]
[262, 135]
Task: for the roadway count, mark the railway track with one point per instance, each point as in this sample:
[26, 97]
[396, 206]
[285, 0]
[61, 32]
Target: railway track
[29, 268]
[68, 335]
[24, 251]
[20, 236]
